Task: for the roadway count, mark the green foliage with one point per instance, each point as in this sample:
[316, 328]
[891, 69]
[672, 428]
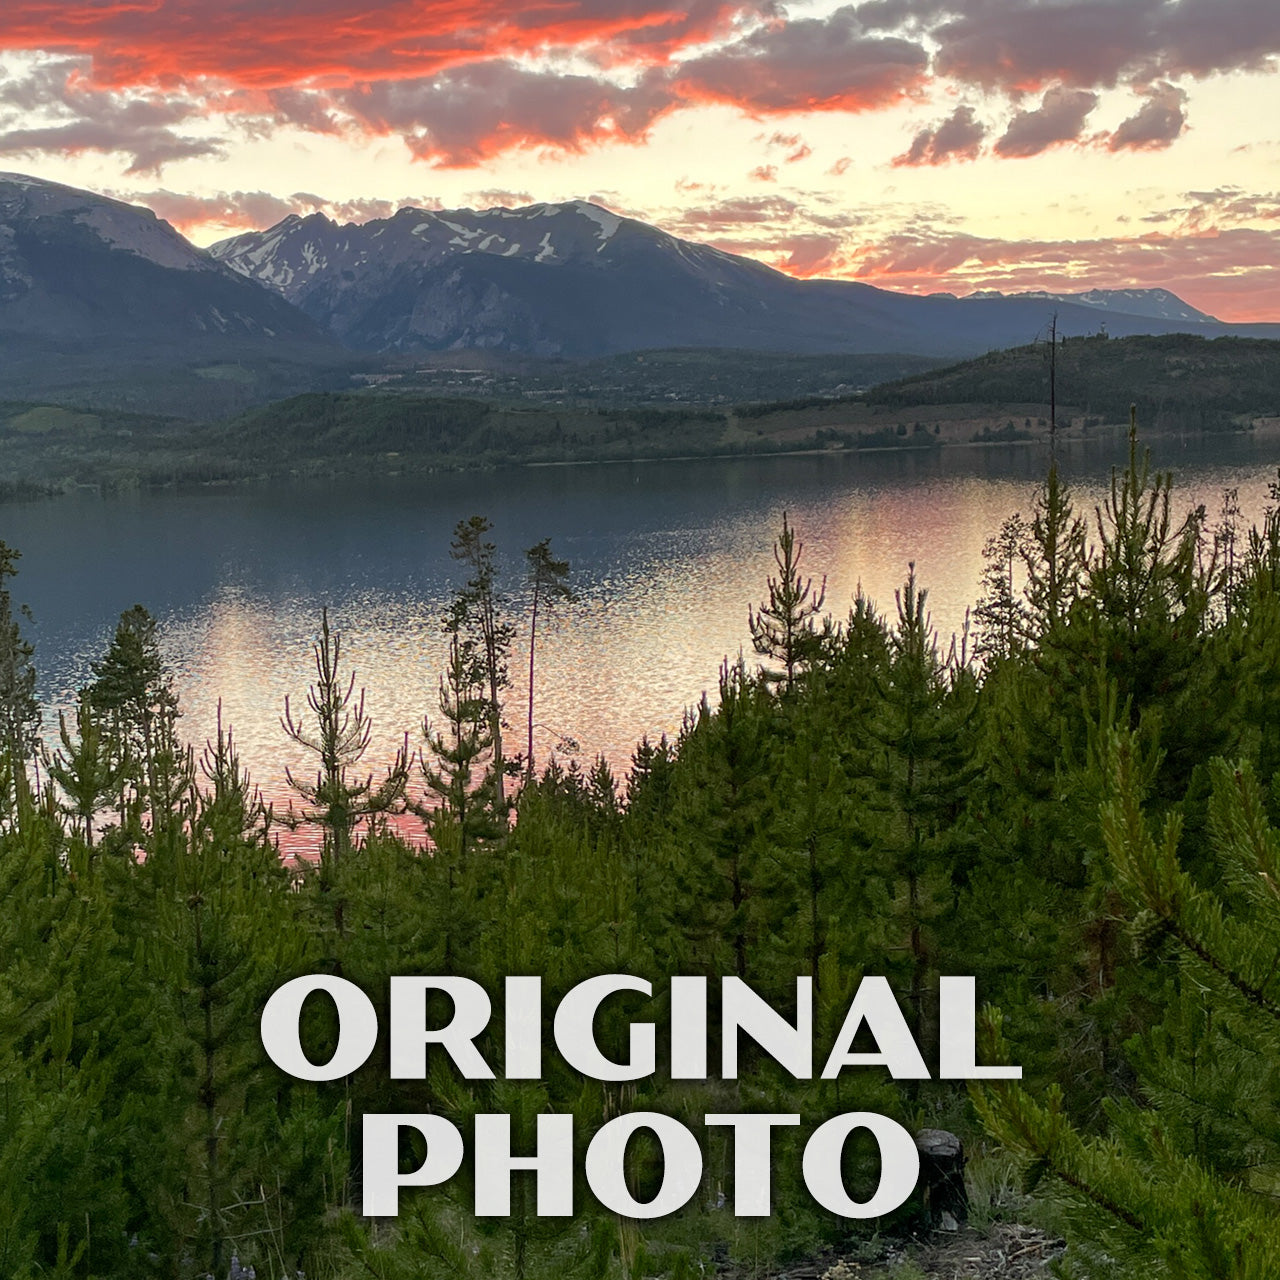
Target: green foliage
[1052, 816]
[19, 711]
[477, 614]
[549, 581]
[88, 768]
[1219, 382]
[782, 628]
[1184, 1183]
[338, 734]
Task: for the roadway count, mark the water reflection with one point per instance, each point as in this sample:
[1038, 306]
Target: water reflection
[666, 559]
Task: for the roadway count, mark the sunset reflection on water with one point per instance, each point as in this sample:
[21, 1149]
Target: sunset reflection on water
[666, 559]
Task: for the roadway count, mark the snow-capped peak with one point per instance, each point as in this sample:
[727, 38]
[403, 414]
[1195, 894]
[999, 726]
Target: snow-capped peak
[298, 255]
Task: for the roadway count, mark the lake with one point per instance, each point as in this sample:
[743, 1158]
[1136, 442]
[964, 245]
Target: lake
[666, 558]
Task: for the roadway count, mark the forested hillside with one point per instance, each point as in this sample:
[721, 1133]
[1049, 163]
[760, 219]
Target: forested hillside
[1073, 802]
[1178, 381]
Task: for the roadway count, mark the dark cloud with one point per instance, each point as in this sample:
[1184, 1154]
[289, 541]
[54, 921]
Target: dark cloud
[150, 149]
[775, 211]
[463, 116]
[1023, 45]
[303, 108]
[958, 137]
[807, 64]
[43, 86]
[893, 15]
[1204, 37]
[1026, 45]
[54, 108]
[793, 236]
[365, 209]
[1231, 204]
[1059, 118]
[247, 209]
[1158, 123]
[1221, 207]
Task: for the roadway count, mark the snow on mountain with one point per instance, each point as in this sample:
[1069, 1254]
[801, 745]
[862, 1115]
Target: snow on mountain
[575, 279]
[129, 227]
[565, 279]
[83, 271]
[1156, 304]
[300, 253]
[464, 277]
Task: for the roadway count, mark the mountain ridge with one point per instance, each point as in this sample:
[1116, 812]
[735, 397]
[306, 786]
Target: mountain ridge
[96, 288]
[79, 267]
[575, 279]
[1160, 304]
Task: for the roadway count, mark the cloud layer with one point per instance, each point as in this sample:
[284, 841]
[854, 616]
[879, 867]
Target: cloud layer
[463, 80]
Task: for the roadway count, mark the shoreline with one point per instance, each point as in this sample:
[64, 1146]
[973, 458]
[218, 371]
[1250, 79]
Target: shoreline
[39, 491]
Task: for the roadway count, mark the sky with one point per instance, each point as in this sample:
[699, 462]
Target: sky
[952, 145]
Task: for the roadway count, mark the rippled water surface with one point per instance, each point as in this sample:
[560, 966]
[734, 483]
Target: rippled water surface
[666, 558]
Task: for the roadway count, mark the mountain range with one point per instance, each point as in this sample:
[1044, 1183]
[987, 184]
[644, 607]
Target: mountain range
[575, 280]
[89, 280]
[78, 270]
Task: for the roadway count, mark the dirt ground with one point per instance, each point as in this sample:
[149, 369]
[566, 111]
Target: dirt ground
[1001, 1251]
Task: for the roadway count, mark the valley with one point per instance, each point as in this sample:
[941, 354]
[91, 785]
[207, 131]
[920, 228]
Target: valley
[511, 412]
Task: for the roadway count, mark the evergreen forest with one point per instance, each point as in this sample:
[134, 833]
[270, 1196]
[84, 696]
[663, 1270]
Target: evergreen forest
[1076, 801]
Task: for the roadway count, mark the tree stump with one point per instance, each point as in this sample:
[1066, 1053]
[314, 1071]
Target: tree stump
[942, 1177]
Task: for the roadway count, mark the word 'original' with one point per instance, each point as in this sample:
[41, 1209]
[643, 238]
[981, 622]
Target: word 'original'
[873, 1015]
[790, 1044]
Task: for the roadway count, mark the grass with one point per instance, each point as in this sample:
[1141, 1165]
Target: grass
[47, 417]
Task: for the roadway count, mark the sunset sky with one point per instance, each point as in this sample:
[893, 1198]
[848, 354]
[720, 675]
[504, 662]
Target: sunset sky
[954, 145]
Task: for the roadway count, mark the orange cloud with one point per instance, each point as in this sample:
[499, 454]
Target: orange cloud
[267, 44]
[463, 80]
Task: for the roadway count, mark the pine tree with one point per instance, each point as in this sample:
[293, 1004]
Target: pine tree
[921, 772]
[1147, 618]
[339, 736]
[1056, 557]
[133, 688]
[464, 787]
[649, 783]
[480, 604]
[1000, 615]
[721, 811]
[19, 710]
[221, 935]
[549, 579]
[782, 628]
[89, 767]
[1183, 1183]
